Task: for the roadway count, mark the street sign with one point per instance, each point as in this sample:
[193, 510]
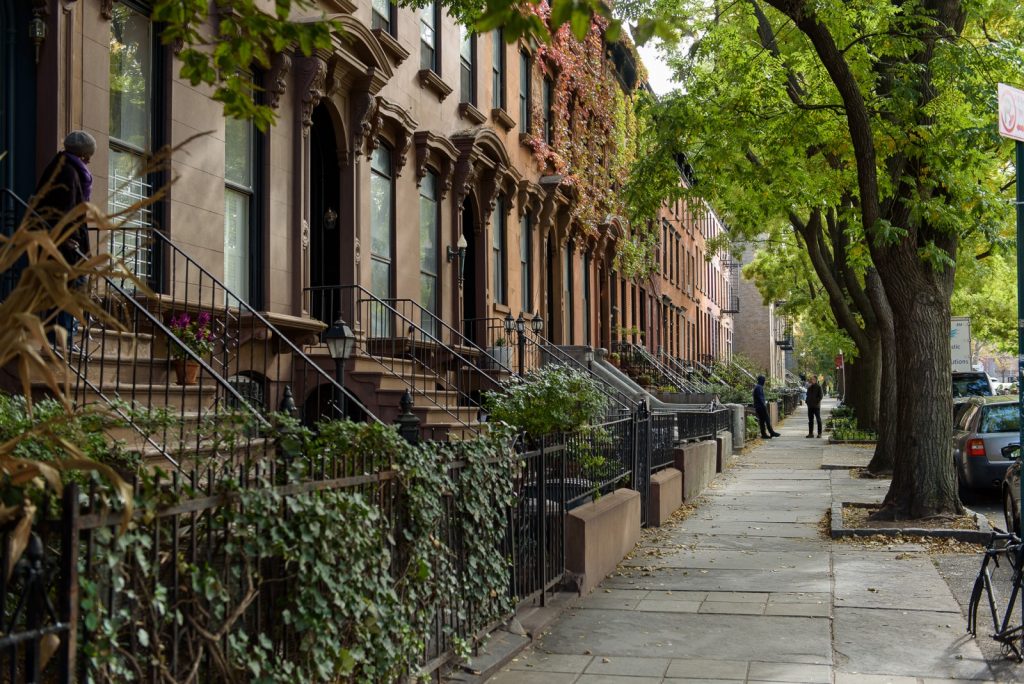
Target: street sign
[1011, 112]
[839, 362]
[960, 343]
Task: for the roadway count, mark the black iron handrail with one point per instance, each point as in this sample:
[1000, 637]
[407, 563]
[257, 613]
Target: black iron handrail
[350, 301]
[677, 365]
[617, 402]
[630, 353]
[460, 339]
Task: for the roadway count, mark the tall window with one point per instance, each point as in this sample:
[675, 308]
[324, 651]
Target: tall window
[382, 190]
[525, 82]
[430, 19]
[567, 297]
[526, 263]
[498, 70]
[586, 298]
[131, 133]
[498, 251]
[383, 17]
[548, 96]
[467, 65]
[429, 239]
[239, 206]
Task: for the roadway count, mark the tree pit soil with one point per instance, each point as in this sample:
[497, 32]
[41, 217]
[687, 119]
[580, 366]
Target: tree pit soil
[859, 517]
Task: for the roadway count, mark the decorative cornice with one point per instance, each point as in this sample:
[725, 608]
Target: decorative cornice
[503, 119]
[528, 198]
[364, 121]
[431, 147]
[469, 112]
[396, 51]
[431, 81]
[277, 79]
[400, 124]
[311, 75]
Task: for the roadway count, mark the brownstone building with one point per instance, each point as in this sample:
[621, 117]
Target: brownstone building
[399, 190]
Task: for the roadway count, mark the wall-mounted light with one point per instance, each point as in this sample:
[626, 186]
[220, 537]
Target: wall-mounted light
[459, 254]
[37, 32]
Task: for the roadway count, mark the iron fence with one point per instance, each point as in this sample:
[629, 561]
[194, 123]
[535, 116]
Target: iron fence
[599, 458]
[664, 437]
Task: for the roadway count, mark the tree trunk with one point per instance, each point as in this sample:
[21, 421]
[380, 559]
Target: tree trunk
[923, 482]
[884, 458]
[862, 381]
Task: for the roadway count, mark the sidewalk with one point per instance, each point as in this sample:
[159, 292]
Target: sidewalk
[748, 590]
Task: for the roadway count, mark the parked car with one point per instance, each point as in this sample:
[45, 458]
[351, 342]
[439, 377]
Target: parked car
[1011, 488]
[986, 426]
[972, 384]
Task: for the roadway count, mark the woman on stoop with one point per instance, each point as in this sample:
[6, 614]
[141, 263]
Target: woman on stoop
[814, 395]
[65, 183]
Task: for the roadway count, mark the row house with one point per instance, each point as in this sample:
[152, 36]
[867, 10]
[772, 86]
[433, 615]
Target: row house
[398, 190]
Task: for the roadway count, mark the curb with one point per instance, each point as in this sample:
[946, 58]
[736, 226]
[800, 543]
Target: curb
[978, 536]
[864, 442]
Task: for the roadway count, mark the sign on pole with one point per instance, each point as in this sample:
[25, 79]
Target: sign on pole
[1011, 125]
[1011, 112]
[960, 343]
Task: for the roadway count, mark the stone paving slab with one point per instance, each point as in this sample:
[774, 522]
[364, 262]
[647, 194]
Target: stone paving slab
[732, 560]
[626, 633]
[675, 579]
[909, 643]
[759, 529]
[866, 579]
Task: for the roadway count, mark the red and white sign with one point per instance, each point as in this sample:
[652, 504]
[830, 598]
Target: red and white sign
[1011, 112]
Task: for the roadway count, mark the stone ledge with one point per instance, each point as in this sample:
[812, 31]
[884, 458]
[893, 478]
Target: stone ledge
[599, 534]
[978, 536]
[666, 496]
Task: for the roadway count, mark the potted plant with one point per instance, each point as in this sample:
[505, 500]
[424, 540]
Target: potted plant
[501, 352]
[613, 358]
[195, 334]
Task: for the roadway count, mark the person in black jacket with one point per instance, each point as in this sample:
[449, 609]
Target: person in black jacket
[814, 395]
[64, 184]
[764, 420]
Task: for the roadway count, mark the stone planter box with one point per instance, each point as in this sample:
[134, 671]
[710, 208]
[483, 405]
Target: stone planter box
[978, 536]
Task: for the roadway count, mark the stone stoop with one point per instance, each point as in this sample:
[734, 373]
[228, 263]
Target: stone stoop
[599, 534]
[666, 496]
[724, 447]
[697, 461]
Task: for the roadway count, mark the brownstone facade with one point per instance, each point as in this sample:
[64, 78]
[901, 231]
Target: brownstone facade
[402, 141]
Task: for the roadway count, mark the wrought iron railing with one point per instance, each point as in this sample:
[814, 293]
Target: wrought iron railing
[141, 369]
[437, 365]
[689, 373]
[641, 365]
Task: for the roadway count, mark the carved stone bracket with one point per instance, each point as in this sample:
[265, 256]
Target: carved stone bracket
[399, 124]
[439, 151]
[364, 121]
[107, 9]
[310, 78]
[277, 79]
[528, 198]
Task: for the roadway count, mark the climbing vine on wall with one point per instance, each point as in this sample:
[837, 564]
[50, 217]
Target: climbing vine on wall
[594, 123]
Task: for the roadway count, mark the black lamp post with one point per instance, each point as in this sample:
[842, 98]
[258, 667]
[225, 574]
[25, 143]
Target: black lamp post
[340, 342]
[521, 332]
[460, 254]
[509, 324]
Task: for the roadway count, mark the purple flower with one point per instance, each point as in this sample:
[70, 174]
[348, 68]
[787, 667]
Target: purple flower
[204, 319]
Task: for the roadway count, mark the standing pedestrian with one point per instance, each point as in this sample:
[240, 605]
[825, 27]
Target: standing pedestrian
[814, 395]
[764, 420]
[65, 183]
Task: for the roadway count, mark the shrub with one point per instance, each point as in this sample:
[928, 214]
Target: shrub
[549, 400]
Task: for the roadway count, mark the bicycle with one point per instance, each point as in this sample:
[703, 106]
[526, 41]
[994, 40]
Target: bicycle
[1011, 638]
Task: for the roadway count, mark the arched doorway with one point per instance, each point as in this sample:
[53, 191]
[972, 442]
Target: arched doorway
[325, 212]
[17, 118]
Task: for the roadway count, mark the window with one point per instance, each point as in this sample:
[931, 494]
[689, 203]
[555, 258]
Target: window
[430, 19]
[525, 83]
[525, 262]
[586, 298]
[239, 206]
[498, 251]
[548, 96]
[467, 66]
[567, 298]
[498, 70]
[430, 225]
[382, 189]
[131, 133]
[383, 16]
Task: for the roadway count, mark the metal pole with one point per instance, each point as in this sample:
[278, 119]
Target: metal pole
[1020, 300]
[339, 371]
[522, 352]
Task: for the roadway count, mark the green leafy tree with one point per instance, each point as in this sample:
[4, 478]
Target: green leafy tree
[875, 121]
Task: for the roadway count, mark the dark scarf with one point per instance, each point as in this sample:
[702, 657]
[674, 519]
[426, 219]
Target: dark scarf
[83, 174]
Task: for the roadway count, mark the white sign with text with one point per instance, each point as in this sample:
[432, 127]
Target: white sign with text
[1011, 112]
[960, 343]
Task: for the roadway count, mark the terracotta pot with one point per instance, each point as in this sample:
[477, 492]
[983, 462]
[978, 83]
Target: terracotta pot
[186, 371]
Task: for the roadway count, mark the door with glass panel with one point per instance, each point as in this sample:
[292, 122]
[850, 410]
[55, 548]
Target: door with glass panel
[430, 233]
[382, 253]
[131, 137]
[239, 188]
